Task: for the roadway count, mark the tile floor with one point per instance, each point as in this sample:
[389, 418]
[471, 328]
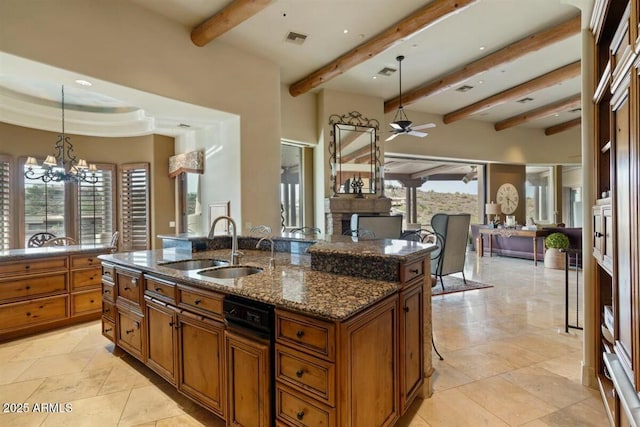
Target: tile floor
[507, 362]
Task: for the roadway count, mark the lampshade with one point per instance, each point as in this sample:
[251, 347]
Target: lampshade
[492, 209]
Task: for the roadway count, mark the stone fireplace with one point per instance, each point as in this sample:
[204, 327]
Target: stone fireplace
[338, 211]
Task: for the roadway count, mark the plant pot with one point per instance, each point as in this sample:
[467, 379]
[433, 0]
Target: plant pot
[555, 259]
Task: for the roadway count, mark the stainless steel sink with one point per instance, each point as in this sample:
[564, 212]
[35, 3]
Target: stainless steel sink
[195, 264]
[230, 272]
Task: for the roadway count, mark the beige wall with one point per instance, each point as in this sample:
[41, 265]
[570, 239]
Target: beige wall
[498, 174]
[123, 43]
[18, 142]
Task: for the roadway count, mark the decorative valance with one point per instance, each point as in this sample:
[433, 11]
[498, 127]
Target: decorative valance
[192, 162]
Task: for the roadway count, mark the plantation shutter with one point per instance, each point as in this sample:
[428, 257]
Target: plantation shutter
[96, 207]
[135, 230]
[5, 203]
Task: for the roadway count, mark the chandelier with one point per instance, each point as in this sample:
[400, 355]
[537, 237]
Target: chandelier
[64, 166]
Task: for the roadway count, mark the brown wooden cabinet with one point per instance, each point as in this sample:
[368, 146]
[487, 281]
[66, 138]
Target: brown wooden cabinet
[201, 361]
[44, 292]
[616, 243]
[248, 380]
[411, 348]
[162, 339]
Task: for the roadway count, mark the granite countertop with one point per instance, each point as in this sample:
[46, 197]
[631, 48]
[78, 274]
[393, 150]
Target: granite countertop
[27, 253]
[399, 250]
[292, 285]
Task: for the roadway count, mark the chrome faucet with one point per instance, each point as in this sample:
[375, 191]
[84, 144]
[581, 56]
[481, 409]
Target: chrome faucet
[235, 254]
[272, 260]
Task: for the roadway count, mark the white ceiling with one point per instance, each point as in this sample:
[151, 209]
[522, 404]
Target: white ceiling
[480, 29]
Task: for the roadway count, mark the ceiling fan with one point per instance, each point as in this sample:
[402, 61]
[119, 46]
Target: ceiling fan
[401, 123]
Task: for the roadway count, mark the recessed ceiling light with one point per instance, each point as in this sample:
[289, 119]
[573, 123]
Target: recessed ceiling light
[480, 82]
[84, 82]
[345, 31]
[374, 77]
[483, 47]
[556, 115]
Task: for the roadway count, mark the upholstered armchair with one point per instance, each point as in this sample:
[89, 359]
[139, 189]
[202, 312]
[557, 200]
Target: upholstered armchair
[453, 234]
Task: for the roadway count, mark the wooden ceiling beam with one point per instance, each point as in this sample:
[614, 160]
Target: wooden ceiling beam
[234, 14]
[545, 81]
[544, 111]
[563, 126]
[507, 54]
[412, 24]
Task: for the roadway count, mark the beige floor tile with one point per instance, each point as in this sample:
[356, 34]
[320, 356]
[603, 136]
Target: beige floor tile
[65, 388]
[547, 386]
[19, 391]
[580, 414]
[512, 404]
[57, 365]
[147, 404]
[123, 377]
[91, 412]
[446, 376]
[189, 421]
[11, 371]
[451, 408]
[30, 419]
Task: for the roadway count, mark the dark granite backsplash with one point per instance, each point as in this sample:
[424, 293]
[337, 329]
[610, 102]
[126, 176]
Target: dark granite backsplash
[350, 265]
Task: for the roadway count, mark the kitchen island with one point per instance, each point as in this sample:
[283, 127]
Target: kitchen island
[342, 349]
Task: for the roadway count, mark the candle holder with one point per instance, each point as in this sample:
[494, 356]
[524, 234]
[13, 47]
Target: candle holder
[357, 185]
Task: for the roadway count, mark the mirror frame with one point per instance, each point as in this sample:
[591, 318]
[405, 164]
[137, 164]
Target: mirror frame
[359, 123]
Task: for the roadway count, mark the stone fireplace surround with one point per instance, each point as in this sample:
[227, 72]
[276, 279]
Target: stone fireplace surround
[338, 211]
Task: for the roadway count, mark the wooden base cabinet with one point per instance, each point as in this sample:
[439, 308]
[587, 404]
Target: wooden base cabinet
[162, 341]
[343, 373]
[249, 381]
[201, 360]
[411, 348]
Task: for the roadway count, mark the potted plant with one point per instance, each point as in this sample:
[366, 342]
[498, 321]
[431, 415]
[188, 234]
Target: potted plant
[553, 257]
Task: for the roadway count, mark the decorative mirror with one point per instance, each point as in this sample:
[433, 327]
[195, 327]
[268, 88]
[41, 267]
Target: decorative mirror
[354, 154]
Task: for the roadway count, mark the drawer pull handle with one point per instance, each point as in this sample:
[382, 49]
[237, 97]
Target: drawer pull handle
[107, 310]
[198, 301]
[299, 333]
[406, 309]
[299, 373]
[129, 331]
[107, 291]
[27, 287]
[134, 282]
[158, 289]
[90, 277]
[414, 271]
[28, 313]
[91, 301]
[27, 267]
[300, 415]
[126, 288]
[108, 330]
[598, 234]
[90, 259]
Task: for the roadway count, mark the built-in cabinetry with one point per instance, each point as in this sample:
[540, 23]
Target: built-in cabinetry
[41, 291]
[616, 238]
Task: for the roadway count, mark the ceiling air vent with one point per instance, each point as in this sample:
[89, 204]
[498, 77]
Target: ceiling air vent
[295, 38]
[575, 110]
[465, 88]
[524, 100]
[387, 71]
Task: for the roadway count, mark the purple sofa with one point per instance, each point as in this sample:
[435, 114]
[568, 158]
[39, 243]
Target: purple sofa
[521, 247]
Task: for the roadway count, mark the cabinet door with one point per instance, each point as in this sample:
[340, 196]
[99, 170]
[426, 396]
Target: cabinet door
[411, 350]
[368, 372]
[130, 332]
[161, 342]
[249, 380]
[598, 232]
[201, 361]
[607, 238]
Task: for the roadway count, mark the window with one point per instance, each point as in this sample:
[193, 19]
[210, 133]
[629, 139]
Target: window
[5, 203]
[44, 207]
[291, 190]
[134, 207]
[96, 208]
[539, 192]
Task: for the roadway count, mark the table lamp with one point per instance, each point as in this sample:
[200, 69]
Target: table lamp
[492, 209]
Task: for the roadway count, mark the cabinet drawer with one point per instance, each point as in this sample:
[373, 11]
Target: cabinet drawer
[108, 273]
[303, 332]
[32, 286]
[18, 315]
[129, 329]
[79, 261]
[33, 266]
[129, 285]
[108, 310]
[412, 270]
[109, 329]
[86, 302]
[203, 302]
[108, 292]
[298, 411]
[310, 375]
[85, 278]
[161, 289]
